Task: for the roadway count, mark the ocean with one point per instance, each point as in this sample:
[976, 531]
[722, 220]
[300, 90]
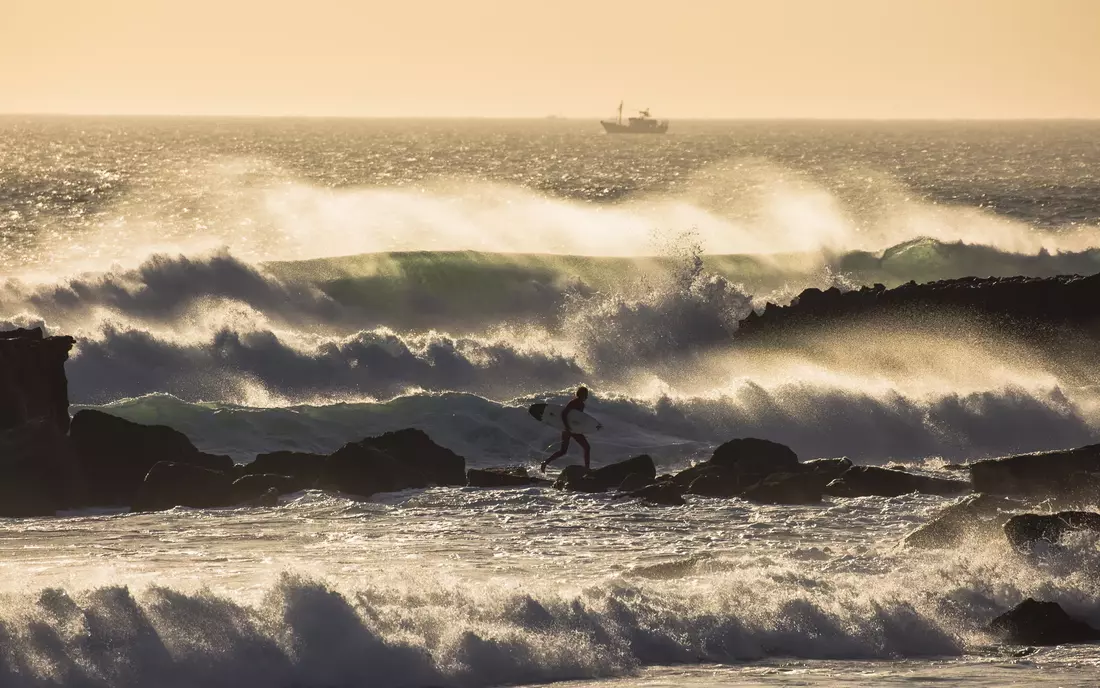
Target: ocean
[298, 284]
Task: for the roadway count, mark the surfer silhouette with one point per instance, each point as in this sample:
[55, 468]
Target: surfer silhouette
[576, 404]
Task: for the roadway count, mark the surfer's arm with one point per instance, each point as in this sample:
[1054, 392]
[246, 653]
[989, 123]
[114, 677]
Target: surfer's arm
[565, 415]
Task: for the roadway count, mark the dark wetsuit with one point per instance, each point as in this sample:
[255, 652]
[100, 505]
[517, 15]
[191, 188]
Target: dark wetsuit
[575, 405]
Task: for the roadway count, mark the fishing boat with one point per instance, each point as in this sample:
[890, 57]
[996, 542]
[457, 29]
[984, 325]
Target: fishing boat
[642, 124]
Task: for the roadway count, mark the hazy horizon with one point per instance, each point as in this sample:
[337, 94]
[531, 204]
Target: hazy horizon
[488, 59]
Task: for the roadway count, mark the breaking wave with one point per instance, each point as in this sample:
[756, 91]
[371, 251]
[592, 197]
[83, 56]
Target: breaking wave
[429, 632]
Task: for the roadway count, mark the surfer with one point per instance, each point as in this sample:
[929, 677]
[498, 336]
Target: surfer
[576, 404]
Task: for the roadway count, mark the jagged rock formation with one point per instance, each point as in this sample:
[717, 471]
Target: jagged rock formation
[38, 469]
[33, 386]
[1041, 623]
[1064, 300]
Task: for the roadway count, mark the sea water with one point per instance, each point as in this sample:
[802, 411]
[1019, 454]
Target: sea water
[297, 284]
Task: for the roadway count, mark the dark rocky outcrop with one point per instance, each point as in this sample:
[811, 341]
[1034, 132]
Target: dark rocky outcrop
[302, 465]
[1060, 474]
[715, 481]
[752, 456]
[399, 460]
[33, 387]
[178, 484]
[829, 469]
[975, 515]
[577, 478]
[635, 481]
[506, 476]
[1025, 530]
[612, 475]
[737, 465]
[866, 481]
[1041, 623]
[38, 471]
[1068, 300]
[253, 486]
[115, 455]
[804, 487]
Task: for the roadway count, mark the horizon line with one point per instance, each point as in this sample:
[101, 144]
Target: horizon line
[541, 118]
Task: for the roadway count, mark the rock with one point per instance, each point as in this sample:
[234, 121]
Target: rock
[720, 481]
[178, 484]
[865, 481]
[634, 481]
[115, 454]
[1025, 530]
[255, 485]
[33, 386]
[1040, 475]
[663, 493]
[755, 457]
[267, 499]
[38, 471]
[299, 464]
[974, 515]
[804, 487]
[1041, 623]
[830, 469]
[1064, 300]
[612, 475]
[577, 478]
[394, 461]
[507, 476]
[687, 476]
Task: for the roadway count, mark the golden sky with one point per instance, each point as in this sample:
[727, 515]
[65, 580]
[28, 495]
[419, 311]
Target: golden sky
[520, 58]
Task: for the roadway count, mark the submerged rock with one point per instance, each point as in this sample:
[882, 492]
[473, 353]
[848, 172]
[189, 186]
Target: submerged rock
[973, 515]
[1041, 623]
[255, 485]
[1025, 530]
[115, 455]
[866, 481]
[506, 476]
[665, 493]
[178, 484]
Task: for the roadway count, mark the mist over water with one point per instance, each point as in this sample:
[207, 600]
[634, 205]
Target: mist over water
[297, 285]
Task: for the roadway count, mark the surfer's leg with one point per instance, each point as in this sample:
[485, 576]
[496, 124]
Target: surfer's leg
[559, 453]
[583, 441]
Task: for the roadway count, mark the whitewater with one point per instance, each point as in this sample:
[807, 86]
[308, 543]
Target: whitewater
[268, 285]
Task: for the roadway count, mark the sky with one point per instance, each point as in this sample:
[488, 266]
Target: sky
[520, 58]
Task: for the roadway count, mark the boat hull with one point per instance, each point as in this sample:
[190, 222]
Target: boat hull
[616, 128]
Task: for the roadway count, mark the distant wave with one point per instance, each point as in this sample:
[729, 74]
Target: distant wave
[471, 291]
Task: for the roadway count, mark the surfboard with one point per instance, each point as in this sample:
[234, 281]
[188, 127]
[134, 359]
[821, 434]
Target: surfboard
[579, 421]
